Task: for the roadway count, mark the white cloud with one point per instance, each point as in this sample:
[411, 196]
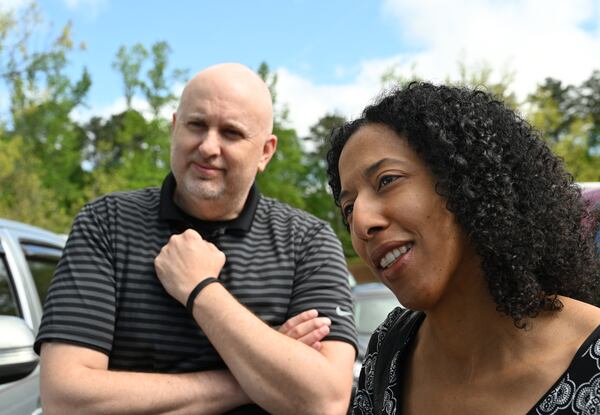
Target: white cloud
[91, 7]
[73, 4]
[308, 101]
[13, 5]
[534, 39]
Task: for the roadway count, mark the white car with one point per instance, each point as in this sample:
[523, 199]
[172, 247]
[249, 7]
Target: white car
[372, 304]
[28, 257]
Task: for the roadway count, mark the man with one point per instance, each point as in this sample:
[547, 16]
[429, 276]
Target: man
[113, 341]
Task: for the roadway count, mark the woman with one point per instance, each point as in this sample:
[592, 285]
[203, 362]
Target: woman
[464, 213]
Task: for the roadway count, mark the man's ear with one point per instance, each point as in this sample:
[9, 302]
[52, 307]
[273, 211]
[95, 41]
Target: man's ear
[269, 148]
[174, 120]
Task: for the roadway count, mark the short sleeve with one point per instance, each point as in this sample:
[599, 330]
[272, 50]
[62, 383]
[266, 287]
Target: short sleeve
[321, 282]
[80, 306]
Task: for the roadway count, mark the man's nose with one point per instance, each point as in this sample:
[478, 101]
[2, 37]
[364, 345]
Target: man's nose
[210, 144]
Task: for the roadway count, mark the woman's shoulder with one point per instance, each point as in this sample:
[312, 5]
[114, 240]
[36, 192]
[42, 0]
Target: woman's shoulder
[569, 329]
[578, 389]
[580, 317]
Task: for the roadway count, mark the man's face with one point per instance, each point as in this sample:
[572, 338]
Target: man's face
[220, 141]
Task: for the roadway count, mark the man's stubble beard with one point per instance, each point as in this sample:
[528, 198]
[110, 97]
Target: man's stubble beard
[204, 189]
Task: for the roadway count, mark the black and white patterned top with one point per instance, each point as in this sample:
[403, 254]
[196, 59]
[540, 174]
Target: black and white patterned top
[577, 391]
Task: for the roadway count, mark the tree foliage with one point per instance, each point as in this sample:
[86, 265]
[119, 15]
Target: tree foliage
[283, 176]
[569, 118]
[128, 62]
[317, 194]
[44, 141]
[481, 76]
[51, 163]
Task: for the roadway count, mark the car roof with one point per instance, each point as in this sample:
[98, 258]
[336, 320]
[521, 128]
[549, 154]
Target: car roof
[372, 287]
[32, 230]
[588, 185]
[593, 195]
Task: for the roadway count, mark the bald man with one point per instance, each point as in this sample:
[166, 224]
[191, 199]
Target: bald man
[201, 296]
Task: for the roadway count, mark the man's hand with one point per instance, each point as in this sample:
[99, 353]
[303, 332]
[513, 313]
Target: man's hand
[307, 328]
[186, 260]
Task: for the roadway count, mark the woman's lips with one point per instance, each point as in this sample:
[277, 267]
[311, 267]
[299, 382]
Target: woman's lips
[390, 258]
[398, 266]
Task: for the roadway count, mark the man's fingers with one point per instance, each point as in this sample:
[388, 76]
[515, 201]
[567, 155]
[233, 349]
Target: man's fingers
[306, 327]
[296, 320]
[315, 336]
[191, 234]
[310, 331]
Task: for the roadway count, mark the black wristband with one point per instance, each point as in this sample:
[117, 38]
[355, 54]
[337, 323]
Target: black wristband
[189, 305]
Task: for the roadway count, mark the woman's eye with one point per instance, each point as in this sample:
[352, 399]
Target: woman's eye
[385, 180]
[347, 210]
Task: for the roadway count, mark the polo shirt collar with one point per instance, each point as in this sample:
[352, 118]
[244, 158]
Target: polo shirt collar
[180, 221]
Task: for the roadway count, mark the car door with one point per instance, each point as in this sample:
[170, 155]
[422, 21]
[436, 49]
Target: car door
[27, 263]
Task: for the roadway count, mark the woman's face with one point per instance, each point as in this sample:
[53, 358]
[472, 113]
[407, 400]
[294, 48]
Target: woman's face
[399, 225]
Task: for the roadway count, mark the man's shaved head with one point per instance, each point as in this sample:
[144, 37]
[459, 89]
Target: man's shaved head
[237, 79]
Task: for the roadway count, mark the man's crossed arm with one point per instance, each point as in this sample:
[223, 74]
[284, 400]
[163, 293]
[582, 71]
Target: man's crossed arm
[289, 370]
[277, 372]
[75, 379]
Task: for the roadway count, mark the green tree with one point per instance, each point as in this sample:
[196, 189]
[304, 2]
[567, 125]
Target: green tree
[126, 152]
[283, 177]
[128, 62]
[317, 194]
[24, 197]
[569, 118]
[393, 76]
[42, 97]
[588, 103]
[158, 89]
[481, 76]
[478, 76]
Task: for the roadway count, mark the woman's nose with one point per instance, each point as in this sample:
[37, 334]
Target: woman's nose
[367, 218]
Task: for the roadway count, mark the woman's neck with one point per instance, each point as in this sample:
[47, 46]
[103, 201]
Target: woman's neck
[465, 330]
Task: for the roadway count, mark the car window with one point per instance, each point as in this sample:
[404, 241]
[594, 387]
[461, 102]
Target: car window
[8, 301]
[42, 261]
[372, 311]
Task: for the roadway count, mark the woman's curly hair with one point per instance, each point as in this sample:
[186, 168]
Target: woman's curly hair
[507, 190]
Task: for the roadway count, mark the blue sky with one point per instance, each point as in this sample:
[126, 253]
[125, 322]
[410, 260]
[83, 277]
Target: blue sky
[330, 54]
[312, 37]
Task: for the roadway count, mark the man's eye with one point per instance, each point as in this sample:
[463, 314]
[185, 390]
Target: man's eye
[196, 124]
[385, 180]
[232, 133]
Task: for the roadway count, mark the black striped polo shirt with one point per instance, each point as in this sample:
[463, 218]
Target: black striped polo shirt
[105, 294]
